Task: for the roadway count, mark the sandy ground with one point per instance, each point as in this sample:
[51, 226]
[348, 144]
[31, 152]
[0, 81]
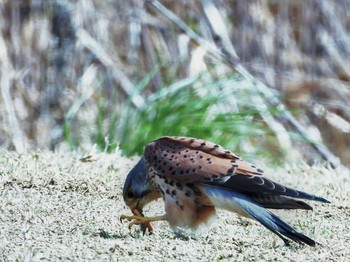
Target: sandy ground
[56, 207]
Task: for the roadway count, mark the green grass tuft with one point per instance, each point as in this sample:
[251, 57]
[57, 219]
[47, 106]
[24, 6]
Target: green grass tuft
[214, 107]
[219, 110]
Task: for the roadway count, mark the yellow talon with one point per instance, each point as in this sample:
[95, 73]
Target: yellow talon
[144, 222]
[137, 220]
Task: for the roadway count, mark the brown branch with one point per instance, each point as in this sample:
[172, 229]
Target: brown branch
[128, 87]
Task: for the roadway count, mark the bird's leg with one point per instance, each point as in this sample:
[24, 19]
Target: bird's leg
[139, 219]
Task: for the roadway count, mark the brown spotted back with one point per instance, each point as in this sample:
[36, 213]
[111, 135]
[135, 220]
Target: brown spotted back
[187, 159]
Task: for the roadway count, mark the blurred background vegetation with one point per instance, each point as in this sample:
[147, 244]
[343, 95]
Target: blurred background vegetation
[117, 74]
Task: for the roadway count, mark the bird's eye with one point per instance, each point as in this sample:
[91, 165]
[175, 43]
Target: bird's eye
[130, 194]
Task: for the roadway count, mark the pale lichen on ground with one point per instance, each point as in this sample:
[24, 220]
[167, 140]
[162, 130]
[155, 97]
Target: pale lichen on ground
[54, 206]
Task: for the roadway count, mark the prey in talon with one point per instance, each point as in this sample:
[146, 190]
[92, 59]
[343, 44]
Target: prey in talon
[138, 219]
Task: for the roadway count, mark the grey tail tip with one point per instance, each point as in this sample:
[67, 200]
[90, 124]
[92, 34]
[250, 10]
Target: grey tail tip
[321, 199]
[307, 241]
[302, 239]
[293, 235]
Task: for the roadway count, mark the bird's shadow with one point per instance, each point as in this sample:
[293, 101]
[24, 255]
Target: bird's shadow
[138, 233]
[103, 234]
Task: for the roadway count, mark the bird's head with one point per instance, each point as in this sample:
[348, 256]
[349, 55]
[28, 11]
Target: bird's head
[138, 190]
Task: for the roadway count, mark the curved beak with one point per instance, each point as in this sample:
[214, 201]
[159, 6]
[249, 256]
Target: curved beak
[134, 205]
[136, 208]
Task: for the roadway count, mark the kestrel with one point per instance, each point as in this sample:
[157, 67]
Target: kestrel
[195, 177]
